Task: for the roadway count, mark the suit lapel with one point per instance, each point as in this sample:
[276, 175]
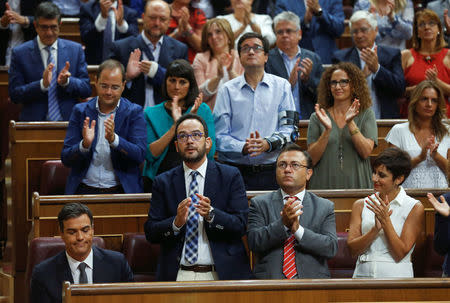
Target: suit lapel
[166, 48]
[279, 64]
[305, 217]
[144, 47]
[92, 113]
[63, 268]
[97, 273]
[119, 115]
[178, 183]
[277, 203]
[62, 56]
[211, 181]
[35, 54]
[354, 57]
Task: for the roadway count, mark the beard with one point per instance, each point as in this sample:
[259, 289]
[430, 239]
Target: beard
[201, 152]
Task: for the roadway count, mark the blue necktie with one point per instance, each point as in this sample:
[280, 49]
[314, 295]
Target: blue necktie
[191, 240]
[107, 38]
[53, 106]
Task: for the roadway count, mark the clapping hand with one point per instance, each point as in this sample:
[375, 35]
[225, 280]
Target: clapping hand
[109, 129]
[255, 145]
[64, 74]
[133, 68]
[198, 101]
[441, 207]
[323, 117]
[381, 210]
[47, 75]
[371, 58]
[352, 111]
[176, 109]
[431, 73]
[88, 132]
[118, 12]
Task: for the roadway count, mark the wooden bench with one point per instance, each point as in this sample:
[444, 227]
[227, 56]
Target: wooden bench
[326, 290]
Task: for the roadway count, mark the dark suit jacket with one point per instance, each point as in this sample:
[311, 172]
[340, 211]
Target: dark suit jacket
[25, 74]
[307, 91]
[225, 187]
[27, 8]
[129, 126]
[389, 83]
[48, 276]
[442, 237]
[92, 38]
[319, 36]
[266, 236]
[171, 49]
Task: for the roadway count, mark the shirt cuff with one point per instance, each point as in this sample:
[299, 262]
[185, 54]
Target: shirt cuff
[299, 233]
[82, 149]
[204, 87]
[67, 83]
[100, 23]
[43, 88]
[374, 75]
[123, 28]
[4, 27]
[115, 142]
[153, 69]
[176, 230]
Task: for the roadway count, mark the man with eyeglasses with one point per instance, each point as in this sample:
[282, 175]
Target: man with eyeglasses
[381, 65]
[48, 75]
[250, 116]
[147, 55]
[291, 231]
[198, 213]
[301, 67]
[106, 139]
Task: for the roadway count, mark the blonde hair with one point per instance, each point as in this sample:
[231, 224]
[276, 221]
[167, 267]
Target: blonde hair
[224, 26]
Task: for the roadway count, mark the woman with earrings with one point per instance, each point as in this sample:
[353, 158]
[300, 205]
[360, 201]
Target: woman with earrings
[181, 91]
[342, 132]
[385, 226]
[428, 59]
[425, 137]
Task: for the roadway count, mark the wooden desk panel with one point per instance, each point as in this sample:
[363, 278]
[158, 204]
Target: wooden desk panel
[308, 290]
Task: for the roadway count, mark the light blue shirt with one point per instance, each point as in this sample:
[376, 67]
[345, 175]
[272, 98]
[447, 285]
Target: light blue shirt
[240, 110]
[101, 171]
[68, 7]
[289, 64]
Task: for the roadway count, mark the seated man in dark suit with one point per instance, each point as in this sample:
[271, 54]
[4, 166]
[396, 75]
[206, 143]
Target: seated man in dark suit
[101, 23]
[106, 139]
[301, 67]
[147, 56]
[292, 231]
[198, 213]
[48, 75]
[382, 65]
[80, 262]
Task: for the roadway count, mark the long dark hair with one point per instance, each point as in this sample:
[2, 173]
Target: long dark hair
[182, 69]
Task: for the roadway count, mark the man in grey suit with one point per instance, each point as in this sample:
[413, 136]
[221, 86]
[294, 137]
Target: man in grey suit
[292, 231]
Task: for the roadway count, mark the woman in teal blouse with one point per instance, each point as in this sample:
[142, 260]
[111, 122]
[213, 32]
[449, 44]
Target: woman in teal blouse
[181, 91]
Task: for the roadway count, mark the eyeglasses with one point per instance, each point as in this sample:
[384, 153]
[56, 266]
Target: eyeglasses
[113, 87]
[196, 136]
[293, 165]
[429, 23]
[45, 28]
[288, 31]
[363, 30]
[342, 83]
[256, 48]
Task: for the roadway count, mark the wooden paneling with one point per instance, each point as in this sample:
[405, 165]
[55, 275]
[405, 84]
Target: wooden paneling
[326, 290]
[6, 288]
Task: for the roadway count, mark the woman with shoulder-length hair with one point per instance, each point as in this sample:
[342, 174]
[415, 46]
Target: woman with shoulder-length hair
[181, 92]
[385, 226]
[342, 132]
[425, 137]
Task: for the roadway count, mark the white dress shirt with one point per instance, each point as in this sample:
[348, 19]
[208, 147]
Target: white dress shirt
[73, 264]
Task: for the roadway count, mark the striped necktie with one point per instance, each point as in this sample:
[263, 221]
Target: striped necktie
[191, 240]
[107, 37]
[53, 106]
[289, 268]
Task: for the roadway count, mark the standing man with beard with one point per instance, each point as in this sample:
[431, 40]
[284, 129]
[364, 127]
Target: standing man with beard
[198, 213]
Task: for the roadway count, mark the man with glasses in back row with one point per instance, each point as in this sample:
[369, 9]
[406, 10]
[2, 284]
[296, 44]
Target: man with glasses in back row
[381, 65]
[48, 75]
[198, 213]
[249, 116]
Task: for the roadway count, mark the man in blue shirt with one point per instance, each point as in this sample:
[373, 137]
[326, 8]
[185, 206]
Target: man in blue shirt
[250, 116]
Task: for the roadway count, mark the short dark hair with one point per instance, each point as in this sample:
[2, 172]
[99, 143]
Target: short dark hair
[397, 161]
[295, 147]
[47, 10]
[182, 69]
[251, 35]
[73, 210]
[111, 64]
[190, 116]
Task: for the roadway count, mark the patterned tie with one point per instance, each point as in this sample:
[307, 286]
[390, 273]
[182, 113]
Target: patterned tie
[107, 37]
[289, 268]
[53, 106]
[191, 240]
[83, 276]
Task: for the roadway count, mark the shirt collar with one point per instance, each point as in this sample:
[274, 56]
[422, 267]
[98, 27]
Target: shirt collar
[73, 264]
[265, 80]
[147, 42]
[400, 198]
[42, 46]
[201, 170]
[98, 108]
[283, 54]
[299, 195]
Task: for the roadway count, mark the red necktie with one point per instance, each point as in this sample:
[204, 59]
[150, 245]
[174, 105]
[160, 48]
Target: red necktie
[289, 268]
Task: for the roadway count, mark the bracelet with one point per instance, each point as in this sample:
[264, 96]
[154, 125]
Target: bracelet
[187, 33]
[354, 132]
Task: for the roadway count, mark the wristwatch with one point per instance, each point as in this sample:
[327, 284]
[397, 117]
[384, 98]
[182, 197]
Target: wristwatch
[211, 214]
[318, 13]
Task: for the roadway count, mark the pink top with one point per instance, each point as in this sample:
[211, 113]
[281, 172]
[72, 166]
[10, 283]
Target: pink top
[205, 68]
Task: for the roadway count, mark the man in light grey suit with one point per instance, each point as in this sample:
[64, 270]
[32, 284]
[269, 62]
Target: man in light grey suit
[292, 221]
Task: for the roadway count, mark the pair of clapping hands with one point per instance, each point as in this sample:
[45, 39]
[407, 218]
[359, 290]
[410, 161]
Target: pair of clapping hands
[89, 131]
[203, 207]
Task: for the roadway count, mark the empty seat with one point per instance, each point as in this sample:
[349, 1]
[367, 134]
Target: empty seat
[53, 178]
[141, 255]
[343, 264]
